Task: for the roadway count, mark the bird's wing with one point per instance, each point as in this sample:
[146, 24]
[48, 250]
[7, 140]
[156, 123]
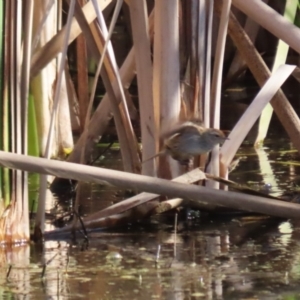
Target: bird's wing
[186, 129]
[174, 141]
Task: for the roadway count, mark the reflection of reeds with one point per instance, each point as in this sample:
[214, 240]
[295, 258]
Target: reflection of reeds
[15, 263]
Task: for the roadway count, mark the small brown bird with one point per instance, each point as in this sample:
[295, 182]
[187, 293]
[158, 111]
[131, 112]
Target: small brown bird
[188, 140]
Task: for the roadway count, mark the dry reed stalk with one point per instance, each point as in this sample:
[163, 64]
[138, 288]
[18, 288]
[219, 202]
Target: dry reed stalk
[49, 51]
[14, 230]
[166, 71]
[261, 73]
[185, 31]
[213, 167]
[45, 7]
[132, 215]
[193, 19]
[82, 75]
[95, 43]
[201, 58]
[204, 53]
[103, 114]
[100, 64]
[141, 212]
[189, 60]
[194, 15]
[125, 180]
[129, 146]
[149, 106]
[251, 28]
[127, 139]
[64, 125]
[268, 18]
[64, 129]
[291, 7]
[42, 85]
[243, 126]
[138, 200]
[23, 202]
[6, 186]
[134, 207]
[82, 79]
[218, 65]
[14, 221]
[92, 96]
[73, 102]
[99, 40]
[130, 140]
[206, 104]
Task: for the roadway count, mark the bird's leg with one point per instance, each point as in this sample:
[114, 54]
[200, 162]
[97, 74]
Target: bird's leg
[187, 163]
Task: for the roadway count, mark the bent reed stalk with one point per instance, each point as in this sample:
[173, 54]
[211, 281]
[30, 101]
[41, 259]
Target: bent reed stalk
[125, 180]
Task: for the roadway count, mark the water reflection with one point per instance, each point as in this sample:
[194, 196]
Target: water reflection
[211, 260]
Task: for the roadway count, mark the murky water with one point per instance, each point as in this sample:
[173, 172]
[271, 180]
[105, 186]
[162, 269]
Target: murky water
[212, 260]
[207, 258]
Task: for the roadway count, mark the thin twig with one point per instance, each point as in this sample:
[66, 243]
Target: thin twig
[157, 255]
[46, 264]
[85, 234]
[175, 233]
[102, 153]
[8, 272]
